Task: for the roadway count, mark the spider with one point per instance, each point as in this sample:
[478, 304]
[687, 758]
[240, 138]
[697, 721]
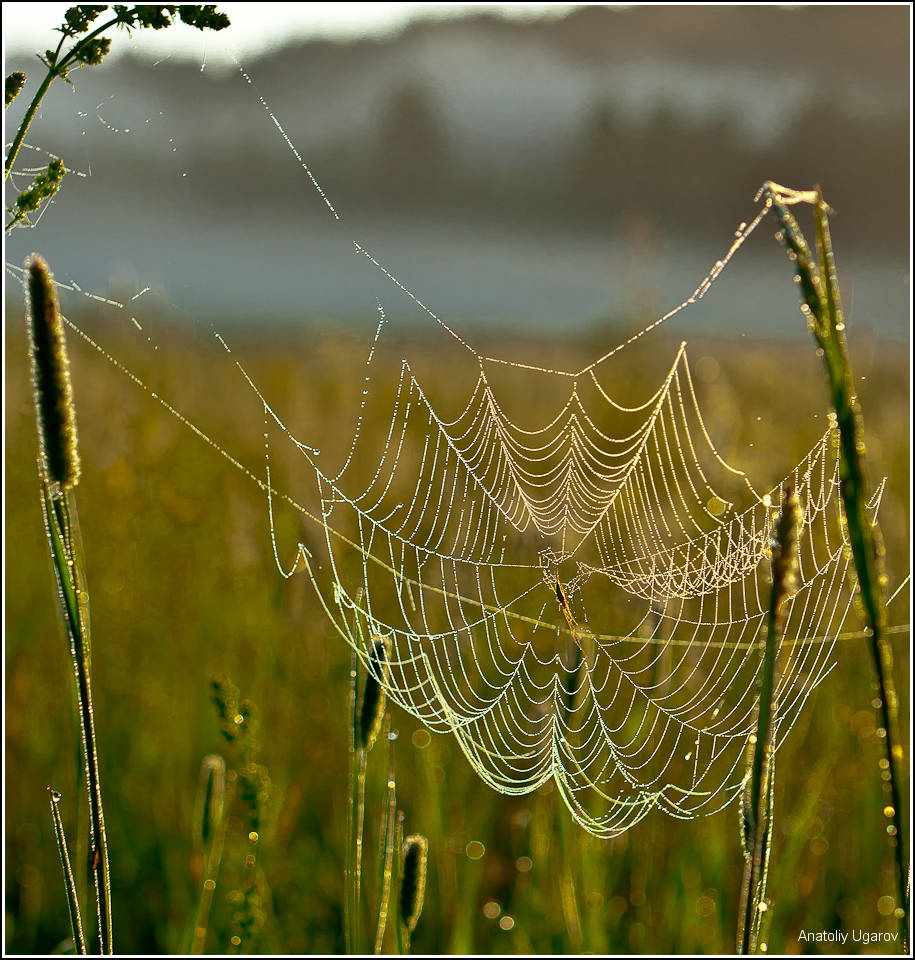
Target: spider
[570, 620]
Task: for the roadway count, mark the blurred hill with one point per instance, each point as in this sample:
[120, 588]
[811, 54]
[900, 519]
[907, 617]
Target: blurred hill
[643, 129]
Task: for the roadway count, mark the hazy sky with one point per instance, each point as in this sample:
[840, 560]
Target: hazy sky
[28, 27]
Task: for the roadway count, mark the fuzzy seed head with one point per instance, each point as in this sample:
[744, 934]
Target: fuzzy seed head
[254, 788]
[785, 537]
[224, 695]
[79, 18]
[203, 17]
[371, 708]
[413, 888]
[92, 52]
[51, 378]
[14, 83]
[210, 798]
[747, 822]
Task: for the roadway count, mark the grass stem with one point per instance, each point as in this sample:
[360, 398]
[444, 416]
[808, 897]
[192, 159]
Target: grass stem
[76, 922]
[60, 515]
[355, 817]
[388, 847]
[400, 930]
[213, 842]
[759, 799]
[821, 305]
[58, 470]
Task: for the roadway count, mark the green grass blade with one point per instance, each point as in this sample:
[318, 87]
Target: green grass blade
[757, 809]
[59, 514]
[822, 306]
[387, 847]
[76, 922]
[399, 928]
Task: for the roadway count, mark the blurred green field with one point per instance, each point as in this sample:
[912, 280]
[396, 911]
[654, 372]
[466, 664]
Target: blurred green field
[183, 585]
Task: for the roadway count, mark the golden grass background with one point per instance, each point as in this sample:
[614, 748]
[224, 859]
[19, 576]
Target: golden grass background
[183, 585]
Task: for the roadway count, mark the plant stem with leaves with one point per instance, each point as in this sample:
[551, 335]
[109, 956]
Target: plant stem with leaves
[88, 50]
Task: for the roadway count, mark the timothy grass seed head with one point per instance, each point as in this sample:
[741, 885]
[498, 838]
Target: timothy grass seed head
[785, 537]
[210, 798]
[51, 377]
[371, 708]
[413, 888]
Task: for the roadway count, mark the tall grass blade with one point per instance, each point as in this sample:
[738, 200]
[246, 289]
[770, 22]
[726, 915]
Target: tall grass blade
[76, 922]
[763, 913]
[758, 800]
[387, 847]
[399, 929]
[59, 473]
[354, 811]
[367, 714]
[213, 797]
[821, 305]
[58, 526]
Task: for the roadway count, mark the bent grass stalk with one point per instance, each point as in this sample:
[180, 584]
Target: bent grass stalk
[59, 473]
[821, 305]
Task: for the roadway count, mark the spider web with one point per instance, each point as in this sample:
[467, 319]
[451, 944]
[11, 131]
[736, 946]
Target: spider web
[584, 599]
[580, 599]
[468, 531]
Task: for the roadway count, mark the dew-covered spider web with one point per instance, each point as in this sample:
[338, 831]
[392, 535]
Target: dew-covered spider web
[575, 589]
[583, 599]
